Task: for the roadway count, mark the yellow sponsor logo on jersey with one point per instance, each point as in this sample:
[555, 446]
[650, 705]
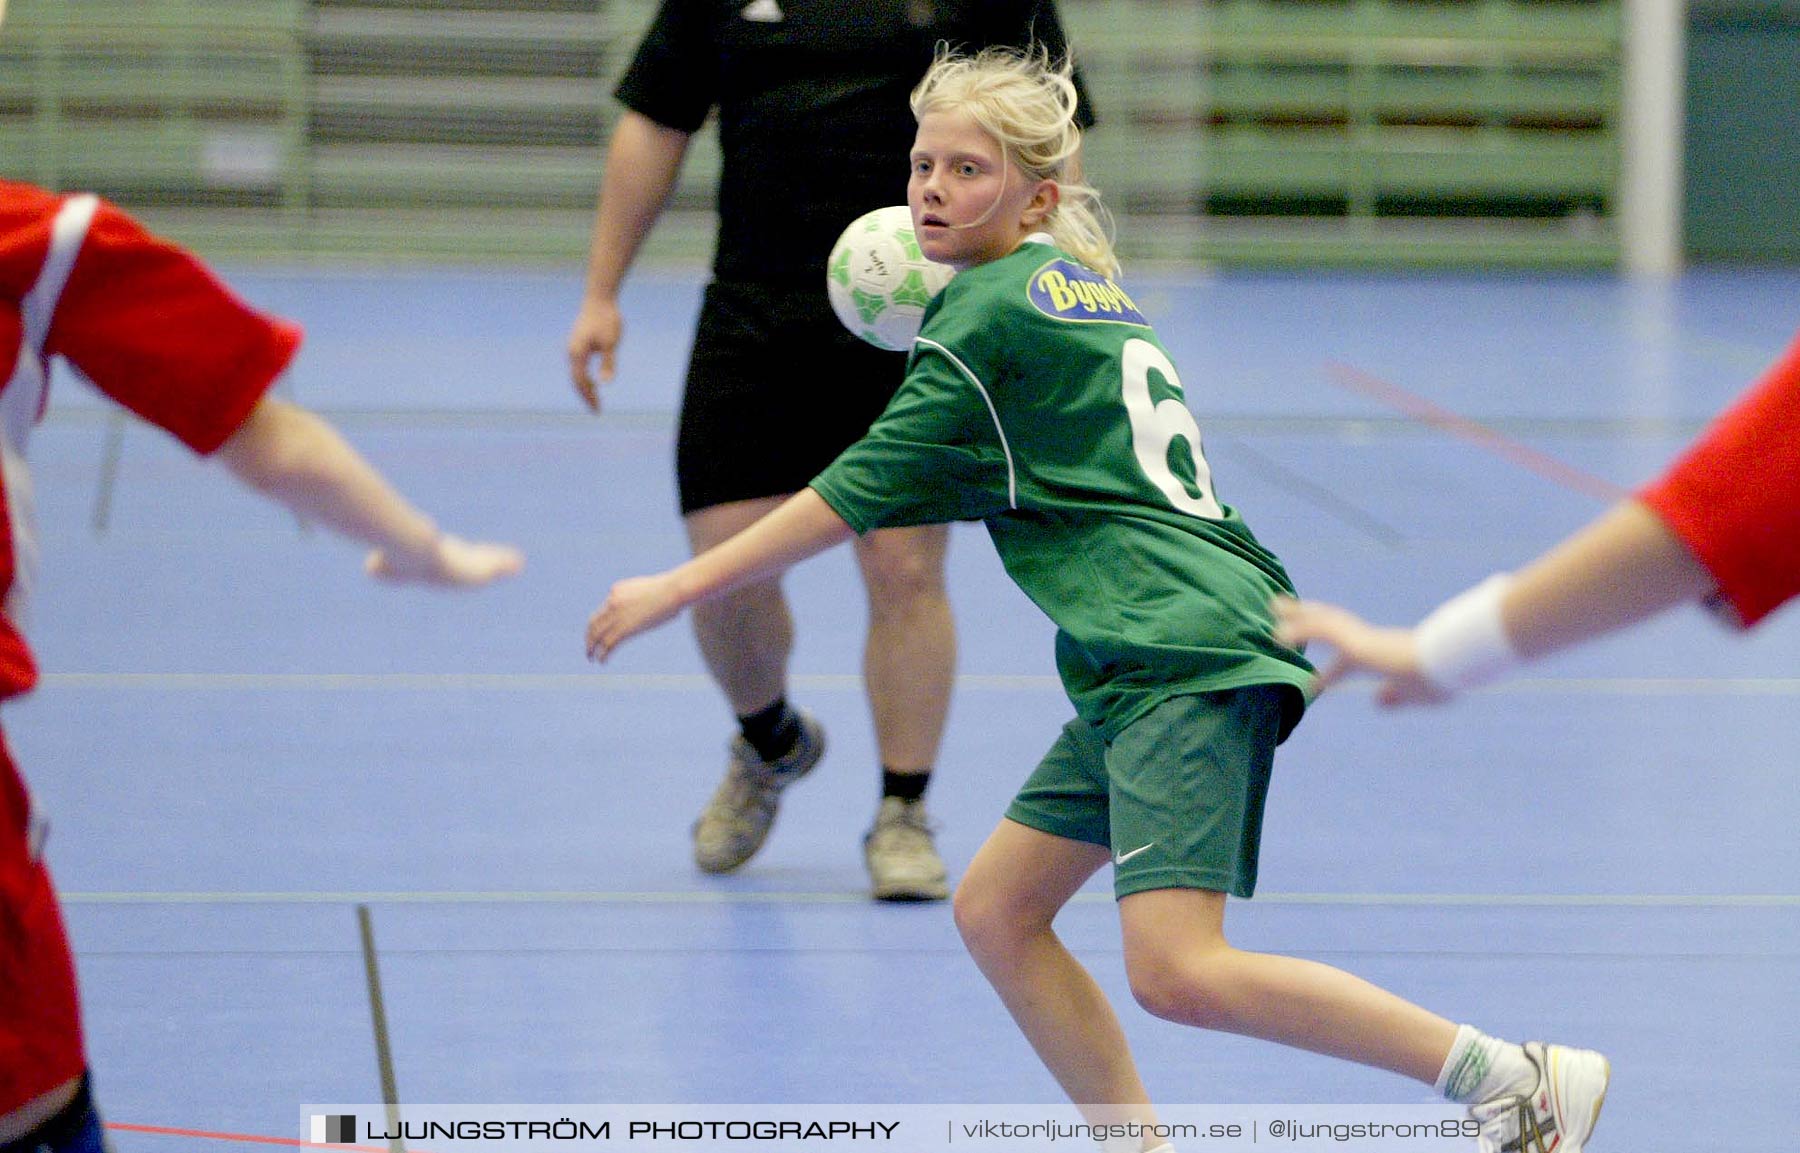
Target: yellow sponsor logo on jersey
[1068, 291]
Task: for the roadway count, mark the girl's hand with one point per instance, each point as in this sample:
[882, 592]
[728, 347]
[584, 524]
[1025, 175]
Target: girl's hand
[447, 561]
[1391, 654]
[633, 606]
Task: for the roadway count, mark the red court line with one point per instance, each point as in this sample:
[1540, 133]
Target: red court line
[241, 1138]
[1501, 445]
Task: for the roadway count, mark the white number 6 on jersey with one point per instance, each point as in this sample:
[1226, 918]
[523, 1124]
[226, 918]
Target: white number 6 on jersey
[1155, 426]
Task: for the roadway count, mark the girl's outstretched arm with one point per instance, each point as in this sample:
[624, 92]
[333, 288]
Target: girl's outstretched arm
[802, 526]
[1625, 567]
[294, 456]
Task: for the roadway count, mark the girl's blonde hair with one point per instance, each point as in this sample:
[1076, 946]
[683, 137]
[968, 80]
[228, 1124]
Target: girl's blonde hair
[1027, 104]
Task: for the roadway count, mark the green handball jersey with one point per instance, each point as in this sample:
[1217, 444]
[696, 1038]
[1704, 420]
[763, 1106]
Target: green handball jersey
[1038, 400]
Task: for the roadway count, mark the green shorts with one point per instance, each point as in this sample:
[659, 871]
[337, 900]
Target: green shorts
[1178, 795]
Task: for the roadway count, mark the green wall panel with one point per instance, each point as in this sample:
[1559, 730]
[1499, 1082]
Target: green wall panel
[1742, 192]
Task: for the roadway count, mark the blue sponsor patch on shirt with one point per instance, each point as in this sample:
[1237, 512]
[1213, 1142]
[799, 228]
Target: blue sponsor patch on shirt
[1068, 291]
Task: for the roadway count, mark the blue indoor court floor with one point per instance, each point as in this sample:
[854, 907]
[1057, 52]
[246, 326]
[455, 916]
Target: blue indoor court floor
[239, 738]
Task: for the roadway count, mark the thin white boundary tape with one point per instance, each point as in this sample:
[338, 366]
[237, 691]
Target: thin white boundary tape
[697, 682]
[693, 897]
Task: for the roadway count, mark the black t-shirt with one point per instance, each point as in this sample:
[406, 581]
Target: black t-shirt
[812, 98]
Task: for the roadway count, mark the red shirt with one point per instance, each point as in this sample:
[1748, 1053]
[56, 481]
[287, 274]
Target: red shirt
[155, 331]
[1733, 497]
[142, 320]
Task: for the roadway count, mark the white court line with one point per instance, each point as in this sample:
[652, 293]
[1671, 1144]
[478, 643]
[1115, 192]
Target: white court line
[696, 682]
[690, 897]
[459, 682]
[1357, 428]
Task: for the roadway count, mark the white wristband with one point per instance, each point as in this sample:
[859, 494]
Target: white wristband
[1463, 642]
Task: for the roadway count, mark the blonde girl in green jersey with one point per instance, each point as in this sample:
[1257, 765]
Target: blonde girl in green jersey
[1039, 401]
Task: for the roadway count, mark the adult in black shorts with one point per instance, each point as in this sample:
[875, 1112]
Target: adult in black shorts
[815, 128]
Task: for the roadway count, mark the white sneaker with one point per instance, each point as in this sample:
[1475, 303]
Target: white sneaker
[903, 863]
[1558, 1115]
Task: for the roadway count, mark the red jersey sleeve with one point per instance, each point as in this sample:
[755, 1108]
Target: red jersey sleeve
[157, 332]
[1733, 497]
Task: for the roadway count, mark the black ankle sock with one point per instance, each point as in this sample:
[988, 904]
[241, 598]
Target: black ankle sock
[772, 732]
[906, 786]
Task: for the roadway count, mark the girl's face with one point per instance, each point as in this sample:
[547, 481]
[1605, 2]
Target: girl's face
[970, 204]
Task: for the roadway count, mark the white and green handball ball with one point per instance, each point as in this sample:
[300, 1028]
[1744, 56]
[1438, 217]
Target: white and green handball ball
[878, 280]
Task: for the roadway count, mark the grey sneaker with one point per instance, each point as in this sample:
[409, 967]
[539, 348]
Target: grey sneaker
[903, 863]
[736, 821]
